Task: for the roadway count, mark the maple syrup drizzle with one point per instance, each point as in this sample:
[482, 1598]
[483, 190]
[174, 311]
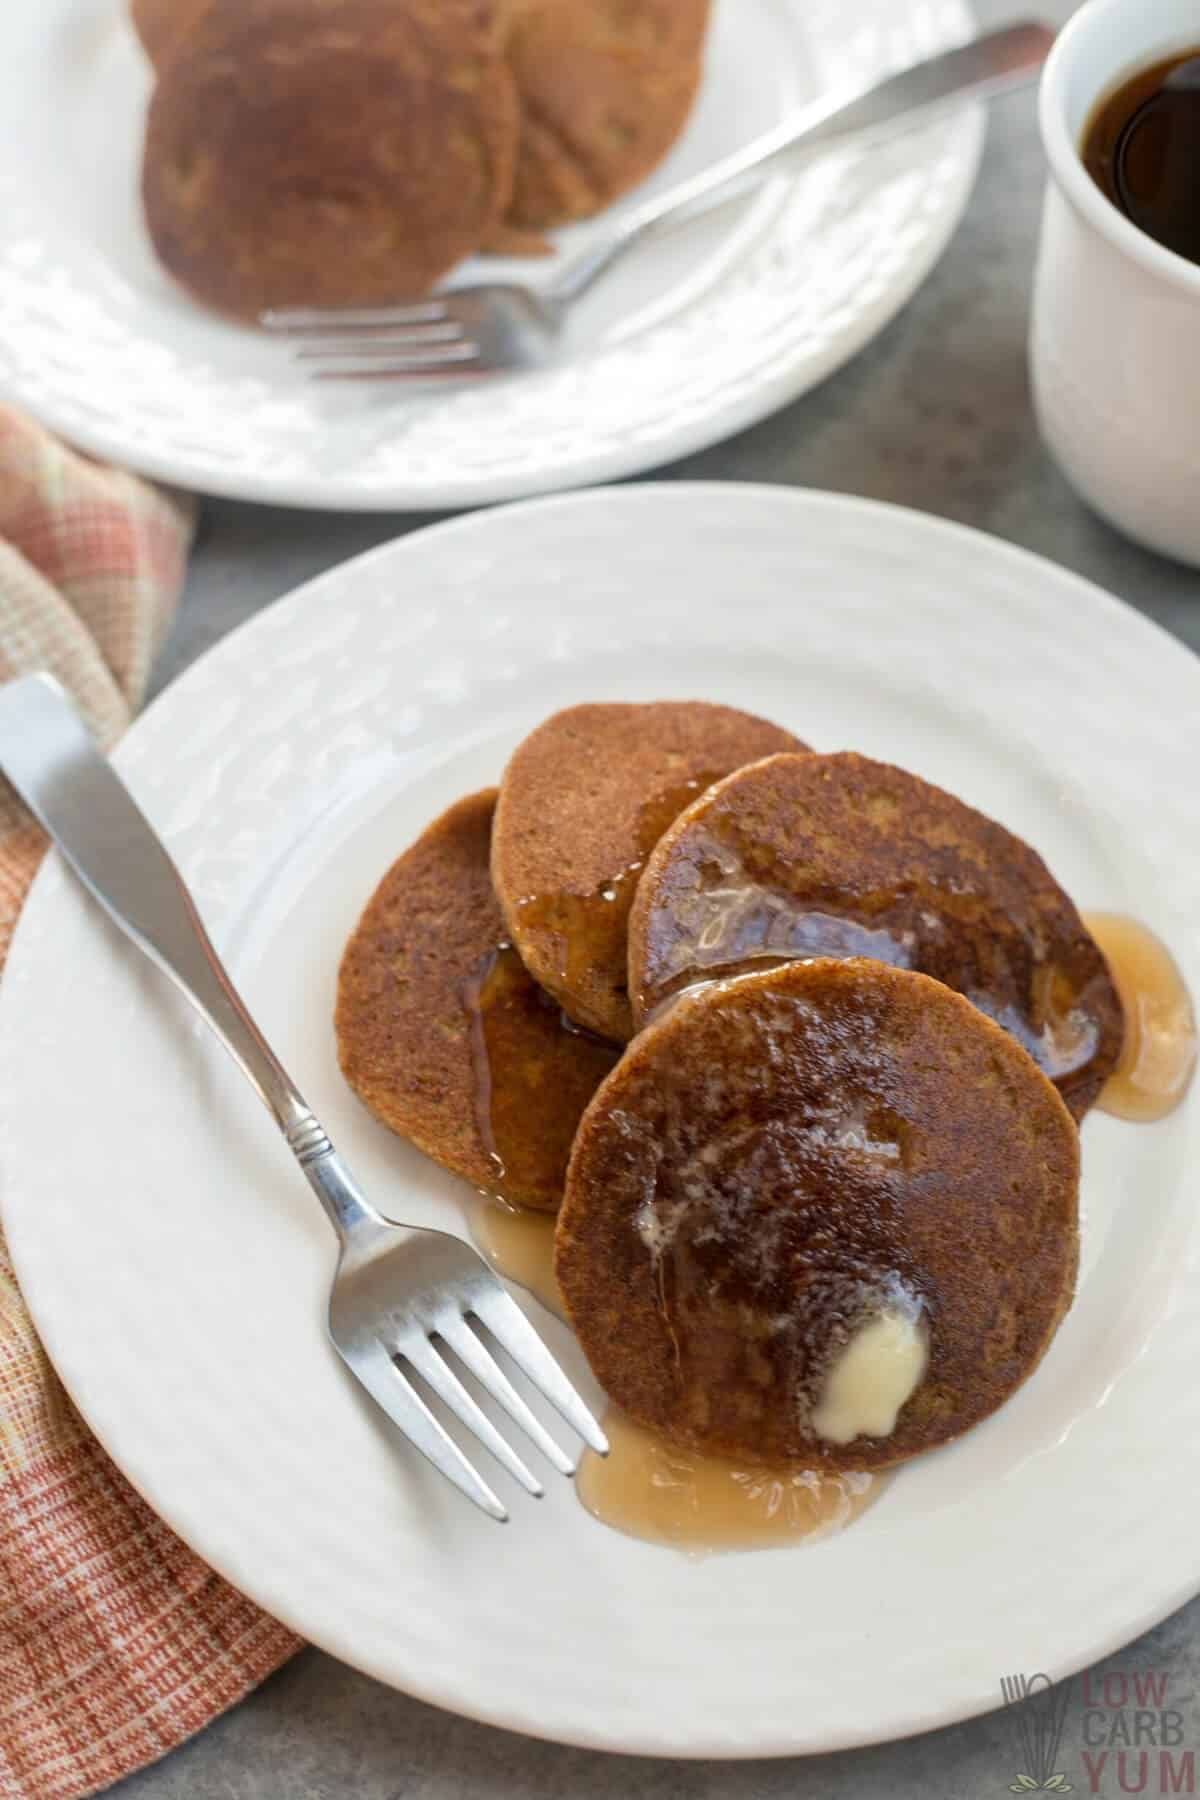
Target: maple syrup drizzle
[534, 1073]
[1159, 1054]
[590, 929]
[731, 919]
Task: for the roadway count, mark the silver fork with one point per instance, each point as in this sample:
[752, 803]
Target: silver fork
[491, 327]
[406, 1304]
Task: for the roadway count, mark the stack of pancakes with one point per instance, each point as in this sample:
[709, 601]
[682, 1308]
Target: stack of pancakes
[790, 1041]
[350, 152]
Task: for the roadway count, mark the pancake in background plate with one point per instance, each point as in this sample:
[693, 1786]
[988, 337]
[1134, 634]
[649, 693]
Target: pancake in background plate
[606, 88]
[338, 155]
[443, 1035]
[826, 1214]
[584, 800]
[163, 24]
[842, 856]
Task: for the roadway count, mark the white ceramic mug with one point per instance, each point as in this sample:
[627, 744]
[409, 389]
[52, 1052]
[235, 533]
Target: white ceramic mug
[1115, 338]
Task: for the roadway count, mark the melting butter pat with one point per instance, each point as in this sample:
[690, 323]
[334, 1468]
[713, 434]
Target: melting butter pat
[879, 1369]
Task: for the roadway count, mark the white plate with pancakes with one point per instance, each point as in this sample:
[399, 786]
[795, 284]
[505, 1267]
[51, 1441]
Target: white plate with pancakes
[177, 1268]
[690, 340]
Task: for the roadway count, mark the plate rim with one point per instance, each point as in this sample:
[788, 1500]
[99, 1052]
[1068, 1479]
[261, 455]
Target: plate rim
[643, 492]
[234, 644]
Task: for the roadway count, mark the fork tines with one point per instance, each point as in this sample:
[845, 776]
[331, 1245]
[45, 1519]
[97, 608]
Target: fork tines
[427, 1354]
[367, 343]
[288, 320]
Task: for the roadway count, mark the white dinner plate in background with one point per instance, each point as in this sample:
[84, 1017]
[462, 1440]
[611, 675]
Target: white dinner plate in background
[689, 340]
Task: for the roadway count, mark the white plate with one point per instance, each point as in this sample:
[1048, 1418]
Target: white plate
[687, 342]
[176, 1264]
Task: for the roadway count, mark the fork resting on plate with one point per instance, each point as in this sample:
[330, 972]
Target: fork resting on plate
[492, 327]
[409, 1307]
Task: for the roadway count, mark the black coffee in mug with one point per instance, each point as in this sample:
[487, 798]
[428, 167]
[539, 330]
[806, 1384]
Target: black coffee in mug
[1142, 148]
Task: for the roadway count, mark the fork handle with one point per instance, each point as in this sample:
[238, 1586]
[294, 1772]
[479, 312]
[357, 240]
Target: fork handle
[987, 64]
[73, 790]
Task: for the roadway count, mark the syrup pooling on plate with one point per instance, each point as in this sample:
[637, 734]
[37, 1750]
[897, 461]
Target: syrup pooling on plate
[1158, 1058]
[519, 1244]
[590, 929]
[528, 1096]
[648, 1488]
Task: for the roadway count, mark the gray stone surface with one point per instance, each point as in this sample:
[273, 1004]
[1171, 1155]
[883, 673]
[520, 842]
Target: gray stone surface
[934, 415]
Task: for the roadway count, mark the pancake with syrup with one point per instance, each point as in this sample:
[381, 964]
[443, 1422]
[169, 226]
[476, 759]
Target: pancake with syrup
[583, 802]
[841, 856]
[445, 1037]
[800, 1183]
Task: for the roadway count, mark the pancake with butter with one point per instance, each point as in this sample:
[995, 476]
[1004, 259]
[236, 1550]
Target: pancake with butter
[841, 856]
[325, 155]
[584, 800]
[824, 1214]
[443, 1035]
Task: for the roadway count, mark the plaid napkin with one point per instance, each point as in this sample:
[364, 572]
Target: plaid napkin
[115, 1642]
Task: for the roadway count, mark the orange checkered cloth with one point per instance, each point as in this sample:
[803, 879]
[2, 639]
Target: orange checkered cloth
[115, 1642]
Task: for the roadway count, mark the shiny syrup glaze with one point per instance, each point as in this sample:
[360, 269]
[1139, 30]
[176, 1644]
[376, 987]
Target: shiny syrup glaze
[1159, 1054]
[534, 1073]
[590, 929]
[650, 1489]
[748, 925]
[733, 921]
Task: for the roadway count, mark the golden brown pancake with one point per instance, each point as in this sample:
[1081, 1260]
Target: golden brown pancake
[606, 87]
[443, 1035]
[583, 801]
[326, 152]
[162, 24]
[504, 239]
[779, 1157]
[839, 855]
